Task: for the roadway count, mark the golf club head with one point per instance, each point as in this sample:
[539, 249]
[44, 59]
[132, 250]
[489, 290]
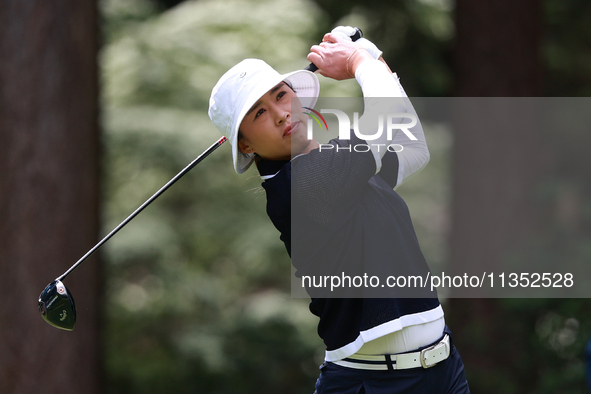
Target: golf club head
[57, 306]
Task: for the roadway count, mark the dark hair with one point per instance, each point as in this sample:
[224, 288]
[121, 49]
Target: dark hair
[289, 84]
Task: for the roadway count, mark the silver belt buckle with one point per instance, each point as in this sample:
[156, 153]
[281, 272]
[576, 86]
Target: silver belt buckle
[423, 358]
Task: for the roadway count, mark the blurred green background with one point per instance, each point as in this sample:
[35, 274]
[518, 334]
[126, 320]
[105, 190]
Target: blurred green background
[198, 284]
[196, 290]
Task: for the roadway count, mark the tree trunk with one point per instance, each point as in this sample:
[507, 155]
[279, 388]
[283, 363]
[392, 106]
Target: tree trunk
[494, 174]
[49, 191]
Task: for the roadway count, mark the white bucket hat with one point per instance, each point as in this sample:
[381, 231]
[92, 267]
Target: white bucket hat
[242, 86]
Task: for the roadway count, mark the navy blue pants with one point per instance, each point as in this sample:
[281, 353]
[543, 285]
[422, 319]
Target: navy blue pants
[447, 377]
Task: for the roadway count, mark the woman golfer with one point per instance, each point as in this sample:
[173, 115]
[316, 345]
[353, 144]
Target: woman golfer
[336, 207]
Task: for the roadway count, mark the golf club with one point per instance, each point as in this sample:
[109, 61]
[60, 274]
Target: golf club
[56, 303]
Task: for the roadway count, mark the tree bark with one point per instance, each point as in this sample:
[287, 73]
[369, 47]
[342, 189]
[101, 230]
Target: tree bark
[495, 172]
[497, 49]
[49, 191]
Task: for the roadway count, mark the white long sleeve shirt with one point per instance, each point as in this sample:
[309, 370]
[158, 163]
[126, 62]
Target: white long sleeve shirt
[377, 84]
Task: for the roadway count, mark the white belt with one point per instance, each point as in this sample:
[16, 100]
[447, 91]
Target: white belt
[425, 358]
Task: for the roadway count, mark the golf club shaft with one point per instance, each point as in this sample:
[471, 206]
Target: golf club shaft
[145, 204]
[311, 67]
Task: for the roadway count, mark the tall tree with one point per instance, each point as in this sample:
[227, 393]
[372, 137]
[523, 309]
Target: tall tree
[49, 191]
[495, 171]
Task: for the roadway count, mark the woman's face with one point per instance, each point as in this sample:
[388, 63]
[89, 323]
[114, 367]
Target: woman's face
[271, 130]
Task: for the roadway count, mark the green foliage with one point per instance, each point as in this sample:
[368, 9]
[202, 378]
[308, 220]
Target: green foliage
[198, 284]
[565, 49]
[416, 37]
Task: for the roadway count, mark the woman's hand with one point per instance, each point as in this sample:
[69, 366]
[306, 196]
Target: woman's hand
[337, 58]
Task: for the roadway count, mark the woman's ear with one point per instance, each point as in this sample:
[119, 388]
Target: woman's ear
[244, 147]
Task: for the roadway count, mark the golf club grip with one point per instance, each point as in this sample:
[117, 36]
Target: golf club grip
[356, 36]
[178, 176]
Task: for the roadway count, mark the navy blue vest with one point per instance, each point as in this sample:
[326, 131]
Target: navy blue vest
[332, 210]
